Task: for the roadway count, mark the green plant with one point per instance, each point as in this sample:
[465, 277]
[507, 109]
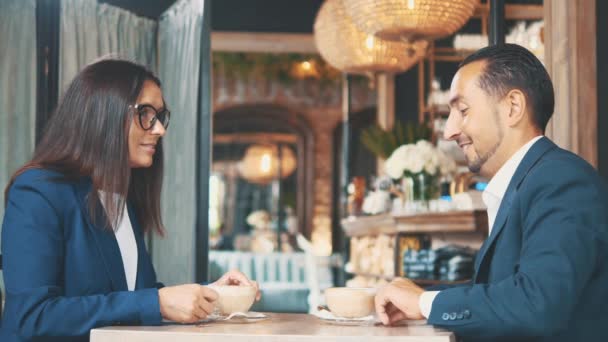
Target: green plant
[382, 143]
[276, 67]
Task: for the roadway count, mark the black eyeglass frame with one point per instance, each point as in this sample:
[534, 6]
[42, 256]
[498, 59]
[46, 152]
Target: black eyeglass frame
[164, 116]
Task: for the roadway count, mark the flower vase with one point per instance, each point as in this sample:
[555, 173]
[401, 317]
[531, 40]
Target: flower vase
[418, 189]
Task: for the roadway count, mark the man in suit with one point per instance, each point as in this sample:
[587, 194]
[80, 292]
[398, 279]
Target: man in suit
[542, 273]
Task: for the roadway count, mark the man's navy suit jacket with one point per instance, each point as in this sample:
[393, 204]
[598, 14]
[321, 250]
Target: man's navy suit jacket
[542, 274]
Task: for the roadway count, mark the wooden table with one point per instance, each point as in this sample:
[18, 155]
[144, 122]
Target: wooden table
[278, 328]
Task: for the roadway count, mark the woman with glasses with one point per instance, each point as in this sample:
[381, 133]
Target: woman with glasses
[76, 215]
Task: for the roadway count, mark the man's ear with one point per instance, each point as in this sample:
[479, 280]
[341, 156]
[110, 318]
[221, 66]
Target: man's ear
[515, 101]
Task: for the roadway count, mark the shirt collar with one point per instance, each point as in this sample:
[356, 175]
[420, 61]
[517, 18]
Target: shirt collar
[498, 184]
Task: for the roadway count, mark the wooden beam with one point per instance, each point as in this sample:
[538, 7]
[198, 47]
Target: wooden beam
[421, 91]
[513, 12]
[385, 84]
[385, 116]
[263, 42]
[252, 138]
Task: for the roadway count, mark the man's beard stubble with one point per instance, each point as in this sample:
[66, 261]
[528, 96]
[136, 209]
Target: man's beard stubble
[476, 164]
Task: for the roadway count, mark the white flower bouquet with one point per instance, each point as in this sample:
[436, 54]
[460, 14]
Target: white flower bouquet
[419, 157]
[419, 167]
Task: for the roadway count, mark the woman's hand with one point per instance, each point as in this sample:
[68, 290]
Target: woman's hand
[235, 277]
[186, 303]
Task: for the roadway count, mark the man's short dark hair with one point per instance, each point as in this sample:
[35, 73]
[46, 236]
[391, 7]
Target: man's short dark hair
[511, 66]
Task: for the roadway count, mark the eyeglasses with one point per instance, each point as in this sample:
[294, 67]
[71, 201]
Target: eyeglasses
[148, 115]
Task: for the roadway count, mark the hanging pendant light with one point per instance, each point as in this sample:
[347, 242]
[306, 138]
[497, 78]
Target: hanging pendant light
[410, 20]
[351, 50]
[261, 163]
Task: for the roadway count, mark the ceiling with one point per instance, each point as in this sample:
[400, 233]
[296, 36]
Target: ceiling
[295, 16]
[144, 8]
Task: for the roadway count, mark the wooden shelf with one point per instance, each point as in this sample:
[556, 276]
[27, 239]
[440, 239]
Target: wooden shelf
[440, 222]
[447, 54]
[437, 111]
[433, 282]
[451, 55]
[513, 12]
[419, 282]
[369, 275]
[451, 51]
[368, 225]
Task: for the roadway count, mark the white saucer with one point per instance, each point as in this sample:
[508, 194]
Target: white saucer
[238, 317]
[328, 317]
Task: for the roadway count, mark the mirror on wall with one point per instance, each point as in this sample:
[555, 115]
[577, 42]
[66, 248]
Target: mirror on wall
[258, 179]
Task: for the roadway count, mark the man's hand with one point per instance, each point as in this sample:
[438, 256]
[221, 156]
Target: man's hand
[186, 303]
[398, 301]
[234, 277]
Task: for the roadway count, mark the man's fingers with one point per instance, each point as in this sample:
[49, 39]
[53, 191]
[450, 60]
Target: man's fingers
[384, 318]
[396, 316]
[393, 313]
[381, 302]
[391, 308]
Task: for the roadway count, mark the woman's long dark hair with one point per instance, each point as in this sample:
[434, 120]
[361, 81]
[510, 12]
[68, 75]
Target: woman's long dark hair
[87, 136]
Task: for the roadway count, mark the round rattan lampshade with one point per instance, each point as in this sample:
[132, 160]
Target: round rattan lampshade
[351, 50]
[260, 163]
[410, 20]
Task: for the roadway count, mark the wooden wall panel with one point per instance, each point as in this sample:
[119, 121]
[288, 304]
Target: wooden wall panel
[570, 58]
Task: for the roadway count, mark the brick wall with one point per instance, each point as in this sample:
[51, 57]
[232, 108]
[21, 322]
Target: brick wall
[320, 105]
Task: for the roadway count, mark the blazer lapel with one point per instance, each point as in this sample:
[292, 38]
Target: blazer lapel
[104, 237]
[499, 223]
[542, 146]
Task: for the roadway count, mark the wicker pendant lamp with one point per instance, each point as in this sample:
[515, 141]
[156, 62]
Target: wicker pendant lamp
[351, 50]
[260, 163]
[410, 20]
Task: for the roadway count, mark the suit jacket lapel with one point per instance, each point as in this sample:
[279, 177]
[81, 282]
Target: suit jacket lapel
[104, 237]
[533, 155]
[499, 223]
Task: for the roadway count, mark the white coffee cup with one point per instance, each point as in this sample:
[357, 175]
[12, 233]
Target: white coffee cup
[233, 298]
[350, 302]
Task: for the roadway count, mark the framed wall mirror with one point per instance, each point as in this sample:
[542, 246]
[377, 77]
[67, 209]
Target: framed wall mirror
[259, 178]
